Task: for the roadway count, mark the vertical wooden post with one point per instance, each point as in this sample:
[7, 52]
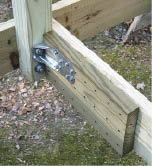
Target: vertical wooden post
[32, 20]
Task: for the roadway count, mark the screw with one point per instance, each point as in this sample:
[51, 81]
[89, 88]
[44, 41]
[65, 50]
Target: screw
[72, 72]
[59, 67]
[61, 62]
[72, 80]
[67, 64]
[56, 52]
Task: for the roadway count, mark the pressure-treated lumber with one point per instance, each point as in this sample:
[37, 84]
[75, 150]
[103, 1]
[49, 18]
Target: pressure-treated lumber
[85, 94]
[143, 133]
[97, 93]
[32, 20]
[7, 46]
[85, 18]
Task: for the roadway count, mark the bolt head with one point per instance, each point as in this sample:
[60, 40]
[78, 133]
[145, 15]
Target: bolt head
[39, 51]
[39, 68]
[58, 67]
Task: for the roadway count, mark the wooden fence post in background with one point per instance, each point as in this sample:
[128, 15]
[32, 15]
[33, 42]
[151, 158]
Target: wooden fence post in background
[32, 20]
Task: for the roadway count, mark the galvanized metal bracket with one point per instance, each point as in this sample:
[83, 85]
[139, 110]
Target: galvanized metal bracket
[53, 59]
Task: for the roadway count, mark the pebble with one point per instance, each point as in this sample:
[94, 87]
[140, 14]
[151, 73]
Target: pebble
[17, 147]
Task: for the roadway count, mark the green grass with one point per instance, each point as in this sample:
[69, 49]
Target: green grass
[74, 147]
[132, 62]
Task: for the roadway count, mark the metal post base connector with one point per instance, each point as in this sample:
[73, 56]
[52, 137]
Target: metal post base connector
[53, 59]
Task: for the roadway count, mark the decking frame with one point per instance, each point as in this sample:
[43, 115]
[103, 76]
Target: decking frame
[94, 73]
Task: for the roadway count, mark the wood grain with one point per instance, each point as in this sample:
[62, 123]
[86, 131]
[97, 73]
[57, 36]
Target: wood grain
[32, 20]
[7, 46]
[143, 133]
[86, 18]
[97, 93]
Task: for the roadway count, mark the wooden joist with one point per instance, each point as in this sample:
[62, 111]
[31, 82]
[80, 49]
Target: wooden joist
[90, 95]
[8, 47]
[98, 91]
[85, 18]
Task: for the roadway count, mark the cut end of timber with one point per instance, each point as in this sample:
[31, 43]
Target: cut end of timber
[130, 131]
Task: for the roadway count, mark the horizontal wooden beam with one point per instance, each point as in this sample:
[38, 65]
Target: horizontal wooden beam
[98, 91]
[107, 100]
[85, 18]
[8, 47]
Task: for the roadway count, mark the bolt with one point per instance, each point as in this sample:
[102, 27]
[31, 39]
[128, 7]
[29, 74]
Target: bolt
[38, 51]
[39, 68]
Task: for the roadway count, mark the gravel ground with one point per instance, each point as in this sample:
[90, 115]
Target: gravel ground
[39, 126]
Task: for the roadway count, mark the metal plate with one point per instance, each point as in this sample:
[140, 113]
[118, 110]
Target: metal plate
[55, 60]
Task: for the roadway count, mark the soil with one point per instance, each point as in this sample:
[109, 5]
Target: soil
[39, 126]
[5, 10]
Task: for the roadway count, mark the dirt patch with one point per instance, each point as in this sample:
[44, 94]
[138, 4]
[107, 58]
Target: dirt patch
[5, 10]
[38, 126]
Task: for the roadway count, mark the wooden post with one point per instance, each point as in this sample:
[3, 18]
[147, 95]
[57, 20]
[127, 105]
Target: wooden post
[32, 20]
